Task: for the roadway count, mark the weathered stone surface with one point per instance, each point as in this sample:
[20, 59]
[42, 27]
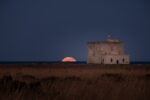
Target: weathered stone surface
[110, 51]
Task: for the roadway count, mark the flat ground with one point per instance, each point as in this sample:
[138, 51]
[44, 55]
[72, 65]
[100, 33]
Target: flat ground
[68, 81]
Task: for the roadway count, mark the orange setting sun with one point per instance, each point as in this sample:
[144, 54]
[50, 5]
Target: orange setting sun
[68, 59]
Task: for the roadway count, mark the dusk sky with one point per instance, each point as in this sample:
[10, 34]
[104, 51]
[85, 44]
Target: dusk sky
[49, 30]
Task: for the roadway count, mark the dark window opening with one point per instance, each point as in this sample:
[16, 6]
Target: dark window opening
[123, 59]
[111, 60]
[117, 61]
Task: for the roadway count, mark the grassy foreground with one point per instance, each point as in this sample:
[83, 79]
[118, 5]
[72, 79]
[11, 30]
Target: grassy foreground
[74, 82]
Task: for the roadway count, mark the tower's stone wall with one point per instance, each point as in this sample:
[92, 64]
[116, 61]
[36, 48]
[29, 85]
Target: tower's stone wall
[107, 52]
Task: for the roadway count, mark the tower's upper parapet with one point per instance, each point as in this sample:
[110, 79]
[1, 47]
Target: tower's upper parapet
[109, 40]
[112, 39]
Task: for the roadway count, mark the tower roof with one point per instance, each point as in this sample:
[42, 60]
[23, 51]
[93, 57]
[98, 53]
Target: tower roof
[111, 39]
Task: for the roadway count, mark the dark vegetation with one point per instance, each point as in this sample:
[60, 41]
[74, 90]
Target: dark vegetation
[75, 82]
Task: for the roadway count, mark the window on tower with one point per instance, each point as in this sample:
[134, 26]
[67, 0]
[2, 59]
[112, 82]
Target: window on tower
[111, 60]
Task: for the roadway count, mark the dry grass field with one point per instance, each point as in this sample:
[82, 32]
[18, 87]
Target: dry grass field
[68, 81]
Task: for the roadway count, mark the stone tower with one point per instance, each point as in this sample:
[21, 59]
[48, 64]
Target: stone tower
[110, 51]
